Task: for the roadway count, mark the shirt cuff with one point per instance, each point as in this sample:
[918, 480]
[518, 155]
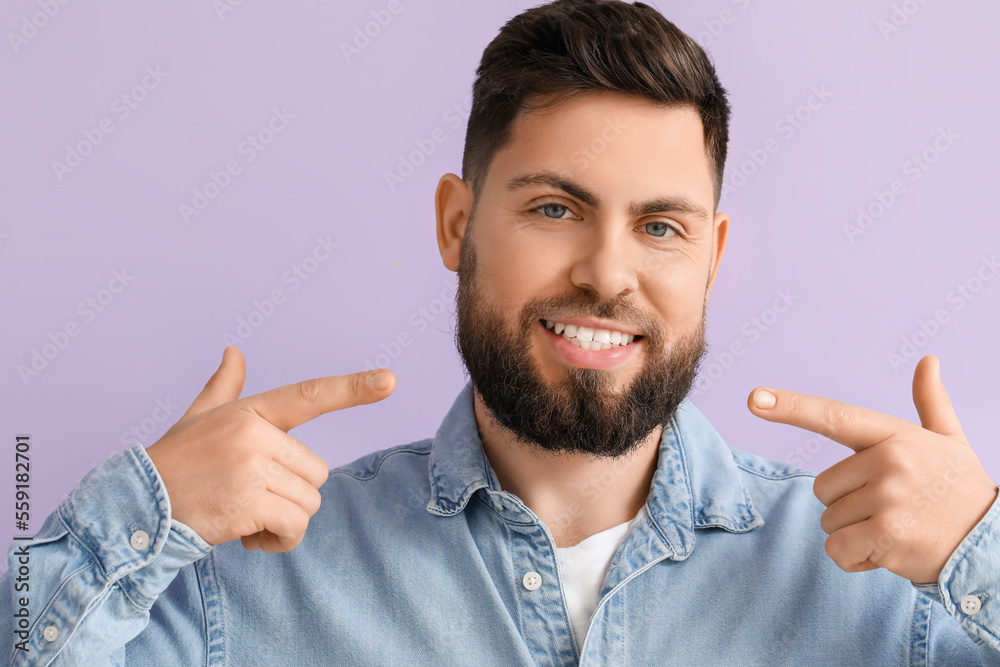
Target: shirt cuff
[969, 583]
[120, 513]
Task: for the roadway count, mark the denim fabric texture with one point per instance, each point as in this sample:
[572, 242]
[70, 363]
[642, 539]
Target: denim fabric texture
[417, 557]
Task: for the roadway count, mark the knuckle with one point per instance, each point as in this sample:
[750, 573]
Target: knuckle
[299, 522]
[357, 383]
[272, 470]
[290, 450]
[826, 521]
[895, 459]
[321, 472]
[272, 544]
[245, 430]
[834, 415]
[887, 559]
[821, 487]
[310, 390]
[883, 526]
[892, 493]
[315, 500]
[833, 548]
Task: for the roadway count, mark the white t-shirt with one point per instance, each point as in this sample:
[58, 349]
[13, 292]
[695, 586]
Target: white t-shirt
[583, 568]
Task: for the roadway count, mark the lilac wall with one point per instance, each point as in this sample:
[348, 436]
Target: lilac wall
[208, 78]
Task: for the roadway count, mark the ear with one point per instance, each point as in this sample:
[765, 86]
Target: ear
[453, 204]
[719, 236]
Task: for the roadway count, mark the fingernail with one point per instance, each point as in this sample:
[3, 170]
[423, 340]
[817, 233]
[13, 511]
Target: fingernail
[764, 399]
[378, 380]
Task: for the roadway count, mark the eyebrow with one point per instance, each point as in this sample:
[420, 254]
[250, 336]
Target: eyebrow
[665, 204]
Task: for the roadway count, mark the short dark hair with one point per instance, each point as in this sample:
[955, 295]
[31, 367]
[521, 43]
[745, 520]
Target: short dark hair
[554, 52]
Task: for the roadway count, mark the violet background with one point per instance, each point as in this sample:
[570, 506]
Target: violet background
[323, 176]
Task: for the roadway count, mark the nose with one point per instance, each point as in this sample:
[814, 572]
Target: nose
[606, 262]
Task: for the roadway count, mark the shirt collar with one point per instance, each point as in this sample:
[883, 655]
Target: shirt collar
[697, 483]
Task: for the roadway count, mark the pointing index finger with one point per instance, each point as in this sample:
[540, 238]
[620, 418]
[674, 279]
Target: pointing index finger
[850, 425]
[294, 404]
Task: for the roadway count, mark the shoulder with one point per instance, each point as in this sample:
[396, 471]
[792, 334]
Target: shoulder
[392, 459]
[778, 489]
[385, 477]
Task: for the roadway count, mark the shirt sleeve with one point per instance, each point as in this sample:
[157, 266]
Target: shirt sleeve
[84, 585]
[969, 586]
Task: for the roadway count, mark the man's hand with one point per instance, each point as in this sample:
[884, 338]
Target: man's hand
[230, 467]
[909, 495]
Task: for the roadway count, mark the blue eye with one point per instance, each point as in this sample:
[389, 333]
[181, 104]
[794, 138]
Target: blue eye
[551, 206]
[661, 229]
[657, 228]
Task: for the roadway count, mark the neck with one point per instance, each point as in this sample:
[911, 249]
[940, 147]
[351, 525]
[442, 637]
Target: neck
[575, 495]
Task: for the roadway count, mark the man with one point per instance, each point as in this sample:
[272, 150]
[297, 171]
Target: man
[573, 507]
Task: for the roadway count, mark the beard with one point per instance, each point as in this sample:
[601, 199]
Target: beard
[583, 412]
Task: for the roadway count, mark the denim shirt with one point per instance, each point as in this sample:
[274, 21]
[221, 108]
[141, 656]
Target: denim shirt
[417, 557]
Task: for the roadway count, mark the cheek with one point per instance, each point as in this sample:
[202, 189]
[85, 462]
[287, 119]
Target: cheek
[517, 267]
[678, 302]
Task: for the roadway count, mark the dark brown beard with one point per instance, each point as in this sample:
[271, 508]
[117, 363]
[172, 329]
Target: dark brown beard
[582, 413]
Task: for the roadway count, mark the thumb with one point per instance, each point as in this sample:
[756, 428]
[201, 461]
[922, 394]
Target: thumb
[224, 386]
[931, 399]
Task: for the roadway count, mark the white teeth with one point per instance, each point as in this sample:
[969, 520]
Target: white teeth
[588, 338]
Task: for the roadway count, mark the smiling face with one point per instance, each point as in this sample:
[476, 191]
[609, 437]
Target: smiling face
[594, 224]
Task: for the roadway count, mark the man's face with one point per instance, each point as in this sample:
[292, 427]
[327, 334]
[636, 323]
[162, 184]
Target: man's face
[618, 238]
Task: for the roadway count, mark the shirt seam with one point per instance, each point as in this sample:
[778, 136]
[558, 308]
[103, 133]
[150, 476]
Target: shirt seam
[93, 604]
[775, 477]
[93, 556]
[204, 612]
[920, 631]
[382, 457]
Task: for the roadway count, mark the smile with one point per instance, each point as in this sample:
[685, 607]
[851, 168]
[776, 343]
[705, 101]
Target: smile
[590, 339]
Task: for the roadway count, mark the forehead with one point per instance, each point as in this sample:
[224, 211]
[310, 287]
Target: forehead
[622, 146]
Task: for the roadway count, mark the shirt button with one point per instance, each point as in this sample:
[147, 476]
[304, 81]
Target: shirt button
[971, 605]
[532, 580]
[139, 540]
[51, 633]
